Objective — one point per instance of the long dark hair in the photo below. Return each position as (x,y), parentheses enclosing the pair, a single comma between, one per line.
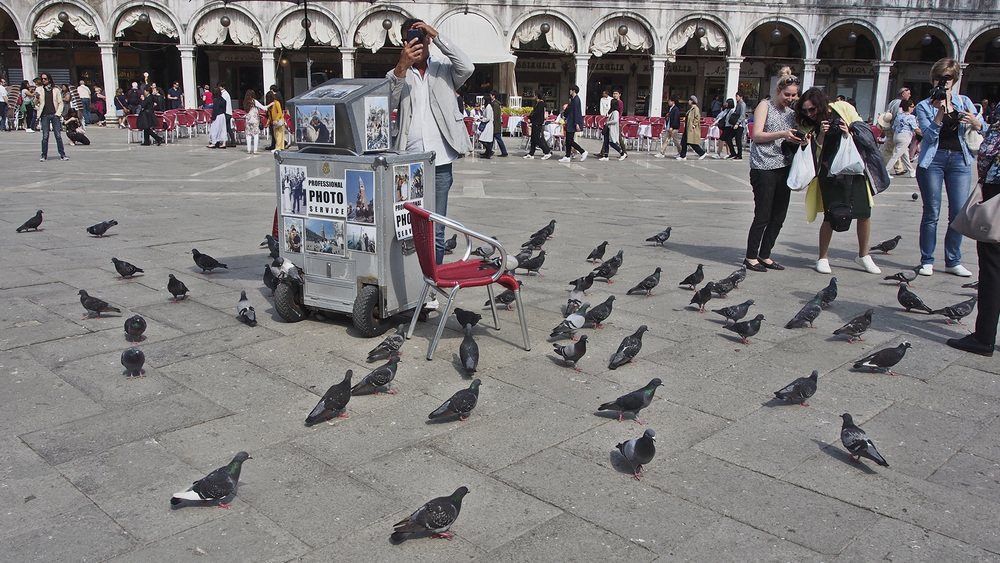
(819,99)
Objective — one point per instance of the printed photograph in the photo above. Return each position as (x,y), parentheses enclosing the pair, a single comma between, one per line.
(360,195)
(416,180)
(314,124)
(401,182)
(292,234)
(377,123)
(293,191)
(361,238)
(334,91)
(325,236)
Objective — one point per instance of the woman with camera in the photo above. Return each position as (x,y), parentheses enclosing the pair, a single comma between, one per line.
(944,118)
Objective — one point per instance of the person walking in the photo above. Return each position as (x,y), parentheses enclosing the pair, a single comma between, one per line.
(148,120)
(672,129)
(3,104)
(889,146)
(224,95)
(253,108)
(120,107)
(83,91)
(904,126)
(498,124)
(611,132)
(738,129)
(574,124)
(487,130)
(272,99)
(49,104)
(217,131)
(692,131)
(537,122)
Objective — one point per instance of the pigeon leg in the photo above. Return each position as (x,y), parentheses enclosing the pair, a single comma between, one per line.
(575,367)
(223,505)
(961,323)
(443,535)
(393,391)
(745,340)
(804,404)
(891,373)
(640,421)
(342,415)
(649,294)
(702,310)
(636,475)
(619,416)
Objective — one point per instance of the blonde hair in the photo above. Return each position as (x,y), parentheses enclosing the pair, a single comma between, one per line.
(946,66)
(786,78)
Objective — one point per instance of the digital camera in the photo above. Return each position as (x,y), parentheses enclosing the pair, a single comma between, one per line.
(939,92)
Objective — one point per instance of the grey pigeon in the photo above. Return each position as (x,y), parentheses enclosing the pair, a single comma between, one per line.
(485,250)
(887,245)
(799,390)
(694,279)
(735,312)
(857,326)
(702,296)
(607,270)
(572,352)
(828,294)
(910,300)
(547,230)
(390,344)
(435,517)
(134,327)
(738,276)
(176,288)
(93,305)
(468,352)
(34,222)
(460,404)
(857,442)
(125,270)
(598,253)
(571,324)
(583,283)
(101,228)
(883,359)
(634,401)
(646,286)
(333,403)
(505,298)
(511,264)
(379,377)
(639,451)
(905,276)
(535,243)
(450,244)
(245,311)
(807,314)
(958,311)
(628,349)
(600,313)
(467,317)
(746,329)
(574,301)
(283,269)
(270,281)
(206,262)
(533,264)
(972,285)
(133,360)
(215,486)
(660,237)
(272,245)
(724,286)
(618,259)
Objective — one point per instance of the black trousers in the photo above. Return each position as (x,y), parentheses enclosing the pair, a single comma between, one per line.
(684,147)
(989,282)
(538,141)
(147,133)
(770,204)
(731,134)
(229,131)
(572,144)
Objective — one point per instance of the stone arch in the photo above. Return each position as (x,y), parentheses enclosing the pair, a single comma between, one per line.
(686,26)
(367,31)
(523,18)
(251,25)
(127,10)
(605,37)
(952,40)
(292,16)
(975,35)
(43,10)
(863,24)
(18,26)
(807,45)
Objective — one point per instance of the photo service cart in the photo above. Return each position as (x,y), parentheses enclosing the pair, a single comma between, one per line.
(340,207)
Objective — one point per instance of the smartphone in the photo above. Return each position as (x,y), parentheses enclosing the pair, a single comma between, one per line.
(799,134)
(412,34)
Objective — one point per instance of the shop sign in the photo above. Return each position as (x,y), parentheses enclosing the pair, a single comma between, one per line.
(236,57)
(854,70)
(615,67)
(682,68)
(716,69)
(752,70)
(537,65)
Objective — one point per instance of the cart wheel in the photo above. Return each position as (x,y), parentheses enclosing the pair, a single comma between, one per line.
(366,313)
(288,303)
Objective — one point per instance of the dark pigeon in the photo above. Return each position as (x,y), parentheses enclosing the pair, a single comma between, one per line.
(799,390)
(134,327)
(617,259)
(828,294)
(958,311)
(571,324)
(972,285)
(505,298)
(696,278)
(133,360)
(634,401)
(583,283)
(333,403)
(217,485)
(660,237)
(468,352)
(125,270)
(883,359)
(435,517)
(910,300)
(379,378)
(807,314)
(639,451)
(574,301)
(272,246)
(600,313)
(572,352)
(598,253)
(702,296)
(93,305)
(905,276)
(646,286)
(33,223)
(738,276)
(460,404)
(887,245)
(724,286)
(533,264)
(735,312)
(746,329)
(101,228)
(176,288)
(245,311)
(270,281)
(607,270)
(857,442)
(535,243)
(467,317)
(628,349)
(857,326)
(206,262)
(450,244)
(390,344)
(547,230)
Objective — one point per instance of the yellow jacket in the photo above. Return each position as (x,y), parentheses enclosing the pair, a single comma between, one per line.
(814,199)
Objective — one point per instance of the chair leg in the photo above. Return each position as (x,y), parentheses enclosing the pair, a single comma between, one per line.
(493,307)
(416,312)
(444,319)
(524,322)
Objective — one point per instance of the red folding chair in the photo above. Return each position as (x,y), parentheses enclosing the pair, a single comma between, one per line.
(526,134)
(447,279)
(630,135)
(131,121)
(240,128)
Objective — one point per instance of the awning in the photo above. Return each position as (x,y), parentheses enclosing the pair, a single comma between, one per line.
(476,36)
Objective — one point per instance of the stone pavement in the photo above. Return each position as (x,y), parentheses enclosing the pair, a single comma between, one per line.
(90,459)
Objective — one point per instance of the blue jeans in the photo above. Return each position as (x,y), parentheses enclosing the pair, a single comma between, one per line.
(609,143)
(948,168)
(443,179)
(86,111)
(51,121)
(498,139)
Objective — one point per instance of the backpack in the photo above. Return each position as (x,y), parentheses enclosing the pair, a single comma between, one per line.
(133,97)
(733,118)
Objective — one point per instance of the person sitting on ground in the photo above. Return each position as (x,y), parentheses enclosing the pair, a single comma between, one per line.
(75,129)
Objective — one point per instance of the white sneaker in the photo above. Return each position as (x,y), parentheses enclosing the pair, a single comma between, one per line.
(623,156)
(658,155)
(959,270)
(926,269)
(529,156)
(823,266)
(717,156)
(564,159)
(867,263)
(432,305)
(702,157)
(546,157)
(678,157)
(29,130)
(584,156)
(604,159)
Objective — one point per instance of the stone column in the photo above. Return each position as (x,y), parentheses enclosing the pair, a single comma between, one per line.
(882,95)
(582,66)
(656,88)
(109,66)
(957,87)
(29,68)
(808,73)
(732,76)
(188,82)
(267,63)
(347,61)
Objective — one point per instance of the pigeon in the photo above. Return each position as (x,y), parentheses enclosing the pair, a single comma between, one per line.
(857,442)
(738,276)
(574,301)
(807,314)
(333,403)
(724,286)
(647,284)
(133,359)
(95,305)
(598,253)
(660,237)
(34,222)
(600,313)
(572,352)
(176,288)
(390,344)
(957,311)
(460,404)
(887,245)
(486,250)
(694,279)
(101,228)
(746,328)
(628,349)
(533,264)
(583,283)
(450,244)
(905,276)
(547,230)
(270,281)
(217,485)
(511,264)
(857,326)
(436,517)
(617,259)
(468,352)
(828,293)
(799,390)
(272,245)
(607,270)
(206,262)
(125,270)
(639,451)
(883,359)
(283,269)
(506,298)
(244,310)
(523,255)
(535,243)
(735,312)
(702,296)
(379,377)
(634,401)
(467,317)
(134,327)
(973,285)
(910,300)
(571,324)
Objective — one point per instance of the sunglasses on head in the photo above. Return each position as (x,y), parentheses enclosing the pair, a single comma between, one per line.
(790,80)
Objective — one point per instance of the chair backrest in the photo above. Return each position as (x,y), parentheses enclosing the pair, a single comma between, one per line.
(132,121)
(630,130)
(524,127)
(504,119)
(423,238)
(469,122)
(600,121)
(657,130)
(240,123)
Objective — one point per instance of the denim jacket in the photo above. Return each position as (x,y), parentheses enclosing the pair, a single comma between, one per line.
(925,113)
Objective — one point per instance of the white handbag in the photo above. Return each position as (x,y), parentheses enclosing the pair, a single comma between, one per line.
(847,161)
(803,169)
